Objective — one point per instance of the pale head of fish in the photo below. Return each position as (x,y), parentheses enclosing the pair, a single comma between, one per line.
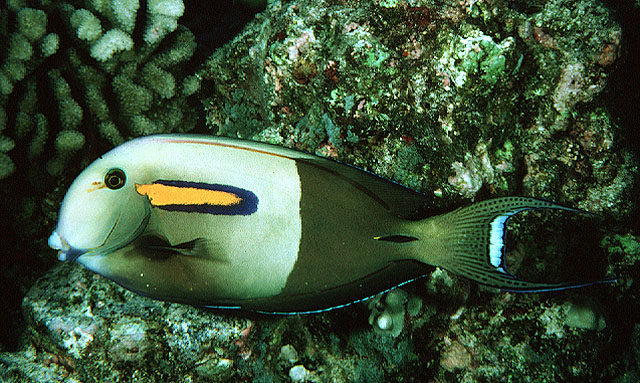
(101,212)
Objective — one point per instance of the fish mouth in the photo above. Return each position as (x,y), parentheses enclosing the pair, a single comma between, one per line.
(65,251)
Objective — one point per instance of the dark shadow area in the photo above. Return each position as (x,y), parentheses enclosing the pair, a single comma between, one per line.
(622,95)
(214,23)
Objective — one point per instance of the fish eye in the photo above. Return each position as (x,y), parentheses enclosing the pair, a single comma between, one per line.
(115,179)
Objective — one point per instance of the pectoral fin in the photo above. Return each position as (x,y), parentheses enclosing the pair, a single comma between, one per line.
(157,246)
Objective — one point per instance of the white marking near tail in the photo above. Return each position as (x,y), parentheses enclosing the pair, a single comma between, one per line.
(496,239)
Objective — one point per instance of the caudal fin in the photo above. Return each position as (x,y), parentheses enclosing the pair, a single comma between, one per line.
(474,239)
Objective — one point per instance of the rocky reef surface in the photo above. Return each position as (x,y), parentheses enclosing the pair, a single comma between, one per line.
(462,100)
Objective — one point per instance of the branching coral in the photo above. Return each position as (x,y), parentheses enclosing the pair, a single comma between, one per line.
(92,69)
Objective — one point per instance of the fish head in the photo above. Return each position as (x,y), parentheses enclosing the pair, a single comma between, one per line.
(101,212)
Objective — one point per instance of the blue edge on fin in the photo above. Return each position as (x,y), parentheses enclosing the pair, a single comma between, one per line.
(315,311)
(560,288)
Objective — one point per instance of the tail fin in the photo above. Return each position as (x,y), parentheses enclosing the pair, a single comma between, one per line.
(475,242)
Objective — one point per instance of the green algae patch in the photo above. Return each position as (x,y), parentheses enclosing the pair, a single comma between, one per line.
(477,58)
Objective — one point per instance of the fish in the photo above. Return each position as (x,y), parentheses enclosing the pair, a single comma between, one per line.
(233,224)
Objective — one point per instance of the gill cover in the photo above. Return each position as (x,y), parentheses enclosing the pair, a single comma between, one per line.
(101,211)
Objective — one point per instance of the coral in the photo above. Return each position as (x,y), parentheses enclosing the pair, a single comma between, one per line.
(108,83)
(87,25)
(466,100)
(387,316)
(288,353)
(84,324)
(7,166)
(112,42)
(585,316)
(68,142)
(300,374)
(130,340)
(471,175)
(455,356)
(138,332)
(20,59)
(163,18)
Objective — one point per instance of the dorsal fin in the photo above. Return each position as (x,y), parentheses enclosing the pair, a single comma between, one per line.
(398,199)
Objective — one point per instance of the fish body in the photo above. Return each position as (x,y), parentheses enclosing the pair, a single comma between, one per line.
(219,222)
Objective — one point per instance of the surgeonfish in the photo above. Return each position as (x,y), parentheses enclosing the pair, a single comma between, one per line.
(227,223)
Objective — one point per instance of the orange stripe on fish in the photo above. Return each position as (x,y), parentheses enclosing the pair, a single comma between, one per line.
(199,197)
(160,195)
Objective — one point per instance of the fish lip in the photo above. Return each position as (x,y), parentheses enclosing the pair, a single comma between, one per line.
(71,254)
(65,251)
(54,241)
